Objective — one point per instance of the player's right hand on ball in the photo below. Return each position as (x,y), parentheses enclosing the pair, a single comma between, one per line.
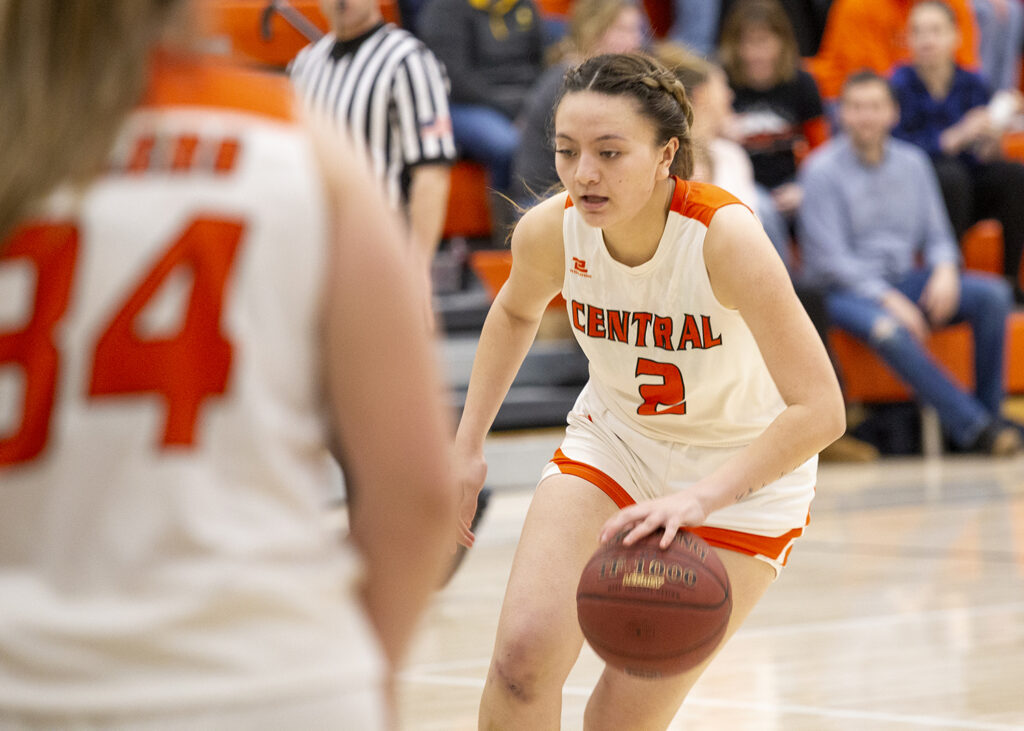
(470,472)
(671,513)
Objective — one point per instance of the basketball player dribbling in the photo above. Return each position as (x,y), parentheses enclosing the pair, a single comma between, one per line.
(709,394)
(197,305)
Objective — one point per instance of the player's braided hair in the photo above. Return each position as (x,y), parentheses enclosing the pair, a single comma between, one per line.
(660,95)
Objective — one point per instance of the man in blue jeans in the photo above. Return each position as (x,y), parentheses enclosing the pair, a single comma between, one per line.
(874,232)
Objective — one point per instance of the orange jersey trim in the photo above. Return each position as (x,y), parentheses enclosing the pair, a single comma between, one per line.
(693,200)
(200,81)
(701,201)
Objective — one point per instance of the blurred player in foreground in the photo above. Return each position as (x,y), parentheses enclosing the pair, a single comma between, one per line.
(197,304)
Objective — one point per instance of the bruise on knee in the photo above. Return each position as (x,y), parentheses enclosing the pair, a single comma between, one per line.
(884,329)
(513,681)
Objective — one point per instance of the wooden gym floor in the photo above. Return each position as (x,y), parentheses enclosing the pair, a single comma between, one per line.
(901,608)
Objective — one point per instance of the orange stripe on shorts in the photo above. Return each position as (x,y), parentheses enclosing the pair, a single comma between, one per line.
(593,475)
(773,547)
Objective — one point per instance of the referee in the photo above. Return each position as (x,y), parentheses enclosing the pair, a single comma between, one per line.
(391,94)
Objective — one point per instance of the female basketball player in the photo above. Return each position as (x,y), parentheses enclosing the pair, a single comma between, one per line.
(710,393)
(189,327)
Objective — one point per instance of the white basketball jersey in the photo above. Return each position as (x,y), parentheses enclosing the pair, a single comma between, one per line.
(163,451)
(665,356)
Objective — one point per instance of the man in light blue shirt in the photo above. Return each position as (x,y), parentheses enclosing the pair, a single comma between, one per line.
(875,234)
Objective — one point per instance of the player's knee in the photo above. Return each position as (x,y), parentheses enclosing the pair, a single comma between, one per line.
(514,679)
(886,330)
(998,299)
(517,667)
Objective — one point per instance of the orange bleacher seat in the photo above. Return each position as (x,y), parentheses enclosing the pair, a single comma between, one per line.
(558,8)
(982,247)
(1013,146)
(238,24)
(469,214)
(492,268)
(660,14)
(866,379)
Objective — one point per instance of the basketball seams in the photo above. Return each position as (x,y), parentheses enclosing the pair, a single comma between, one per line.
(639,600)
(713,639)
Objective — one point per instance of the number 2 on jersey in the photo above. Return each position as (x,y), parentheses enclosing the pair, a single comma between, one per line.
(667,397)
(183,368)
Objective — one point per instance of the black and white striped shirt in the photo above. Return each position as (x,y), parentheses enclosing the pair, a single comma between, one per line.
(389,91)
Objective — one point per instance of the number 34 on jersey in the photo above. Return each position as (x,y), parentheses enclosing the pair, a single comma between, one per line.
(182,368)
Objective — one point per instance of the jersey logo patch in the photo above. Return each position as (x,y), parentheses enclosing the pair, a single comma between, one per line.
(579,267)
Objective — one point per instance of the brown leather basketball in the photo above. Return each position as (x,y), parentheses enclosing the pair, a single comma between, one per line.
(654,612)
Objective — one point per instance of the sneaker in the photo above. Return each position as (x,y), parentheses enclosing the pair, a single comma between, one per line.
(999,440)
(1007,443)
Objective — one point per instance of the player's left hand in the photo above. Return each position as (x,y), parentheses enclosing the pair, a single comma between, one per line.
(941,296)
(670,513)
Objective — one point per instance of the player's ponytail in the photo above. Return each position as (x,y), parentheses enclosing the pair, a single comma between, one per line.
(72,69)
(660,95)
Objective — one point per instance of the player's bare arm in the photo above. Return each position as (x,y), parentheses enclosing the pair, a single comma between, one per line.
(747,275)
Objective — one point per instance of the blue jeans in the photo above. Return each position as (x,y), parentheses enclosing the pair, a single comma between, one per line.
(999,45)
(489,137)
(985,303)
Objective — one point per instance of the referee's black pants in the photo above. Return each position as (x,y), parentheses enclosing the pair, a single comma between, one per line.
(975,191)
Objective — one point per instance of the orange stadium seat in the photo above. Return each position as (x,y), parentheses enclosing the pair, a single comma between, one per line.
(558,8)
(469,214)
(866,379)
(1013,145)
(660,14)
(982,247)
(492,268)
(239,25)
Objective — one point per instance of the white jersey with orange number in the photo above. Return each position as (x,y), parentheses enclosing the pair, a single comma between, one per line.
(163,448)
(665,356)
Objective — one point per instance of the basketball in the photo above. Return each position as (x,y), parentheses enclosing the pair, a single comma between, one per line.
(653,612)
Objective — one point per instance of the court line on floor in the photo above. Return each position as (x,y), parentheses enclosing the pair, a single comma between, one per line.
(854,623)
(914,552)
(781,708)
(827,625)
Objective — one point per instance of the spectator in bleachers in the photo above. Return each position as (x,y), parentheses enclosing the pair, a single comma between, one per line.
(949,112)
(807,18)
(595,27)
(385,88)
(1000,30)
(870,34)
(779,115)
(724,163)
(695,24)
(709,92)
(494,53)
(409,12)
(871,211)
